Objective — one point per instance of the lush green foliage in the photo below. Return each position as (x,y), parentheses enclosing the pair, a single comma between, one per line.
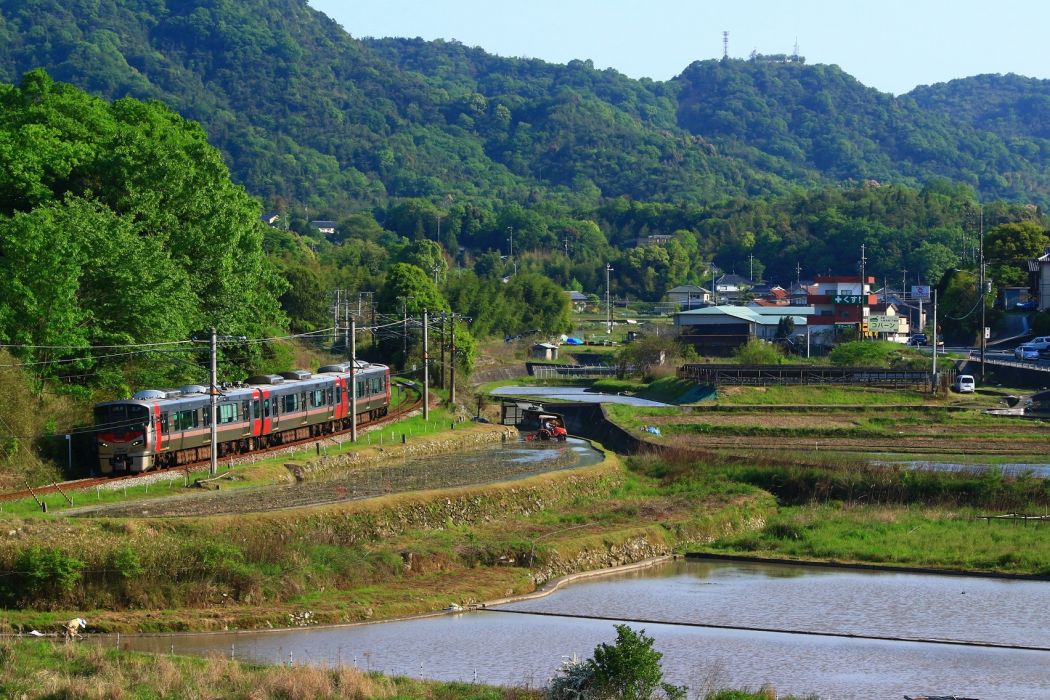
(304,112)
(870,353)
(119,225)
(758,352)
(628,669)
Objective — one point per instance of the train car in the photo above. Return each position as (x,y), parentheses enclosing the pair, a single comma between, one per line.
(168,428)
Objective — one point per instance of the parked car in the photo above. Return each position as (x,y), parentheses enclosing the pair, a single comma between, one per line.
(1040,343)
(1026,352)
(964,384)
(918,339)
(1026,305)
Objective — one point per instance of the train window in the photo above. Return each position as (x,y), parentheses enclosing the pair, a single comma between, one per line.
(360,389)
(291,403)
(338,395)
(246,409)
(184,420)
(375,385)
(207,416)
(266,408)
(317,398)
(163,423)
(330,394)
(227,413)
(256,409)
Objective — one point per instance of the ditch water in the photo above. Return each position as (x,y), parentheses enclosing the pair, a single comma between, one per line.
(804,630)
(1039,470)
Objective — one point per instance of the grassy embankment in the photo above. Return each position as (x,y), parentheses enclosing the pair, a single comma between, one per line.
(32,669)
(397,555)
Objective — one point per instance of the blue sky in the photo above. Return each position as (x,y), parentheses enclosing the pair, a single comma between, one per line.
(892,45)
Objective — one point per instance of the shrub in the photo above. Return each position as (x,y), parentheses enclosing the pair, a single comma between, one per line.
(758,352)
(49,574)
(629,669)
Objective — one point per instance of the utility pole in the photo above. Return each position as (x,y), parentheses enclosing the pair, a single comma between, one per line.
(608,301)
(335,319)
(213,402)
(935,339)
(426,367)
(751,267)
(404,331)
(863,295)
(798,273)
(346,322)
(442,350)
(353,380)
(982,292)
(452,362)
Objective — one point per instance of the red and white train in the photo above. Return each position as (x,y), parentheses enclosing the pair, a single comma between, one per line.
(158,429)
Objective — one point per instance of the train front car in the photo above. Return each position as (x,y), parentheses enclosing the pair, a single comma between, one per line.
(124,436)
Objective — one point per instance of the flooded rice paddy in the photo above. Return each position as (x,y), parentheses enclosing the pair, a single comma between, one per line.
(481,465)
(830,632)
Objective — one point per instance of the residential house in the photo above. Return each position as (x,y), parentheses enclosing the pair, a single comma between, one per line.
(731,288)
(577,299)
(325,227)
(654,239)
(689,296)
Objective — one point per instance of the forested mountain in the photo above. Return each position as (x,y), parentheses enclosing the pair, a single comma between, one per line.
(303,112)
(1010,106)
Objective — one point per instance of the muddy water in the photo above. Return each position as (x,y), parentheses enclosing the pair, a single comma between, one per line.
(479,465)
(525,647)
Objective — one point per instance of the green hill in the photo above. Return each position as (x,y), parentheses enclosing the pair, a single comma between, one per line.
(304,112)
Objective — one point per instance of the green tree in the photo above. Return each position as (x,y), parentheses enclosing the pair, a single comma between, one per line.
(410,288)
(648,352)
(535,302)
(628,669)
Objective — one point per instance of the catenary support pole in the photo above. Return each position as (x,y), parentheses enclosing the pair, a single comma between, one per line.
(426,366)
(353,380)
(452,362)
(213,395)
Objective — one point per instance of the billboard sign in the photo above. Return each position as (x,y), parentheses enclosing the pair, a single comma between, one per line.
(883,324)
(920,291)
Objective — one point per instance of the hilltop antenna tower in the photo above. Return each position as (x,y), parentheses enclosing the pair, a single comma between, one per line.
(725,45)
(794,55)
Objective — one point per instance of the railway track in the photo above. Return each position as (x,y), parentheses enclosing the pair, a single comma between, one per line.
(80,484)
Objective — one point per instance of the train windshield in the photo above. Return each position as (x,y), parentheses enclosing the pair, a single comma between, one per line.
(121,416)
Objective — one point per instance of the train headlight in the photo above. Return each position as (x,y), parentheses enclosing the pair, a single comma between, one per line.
(136,443)
(104,444)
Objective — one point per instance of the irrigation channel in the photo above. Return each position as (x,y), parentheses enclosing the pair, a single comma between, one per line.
(834,633)
(573,393)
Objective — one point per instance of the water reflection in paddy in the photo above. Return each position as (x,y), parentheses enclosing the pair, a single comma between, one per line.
(524,649)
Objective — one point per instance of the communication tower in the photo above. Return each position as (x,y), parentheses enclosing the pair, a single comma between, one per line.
(725,44)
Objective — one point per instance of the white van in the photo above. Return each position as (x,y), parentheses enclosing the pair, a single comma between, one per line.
(964,384)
